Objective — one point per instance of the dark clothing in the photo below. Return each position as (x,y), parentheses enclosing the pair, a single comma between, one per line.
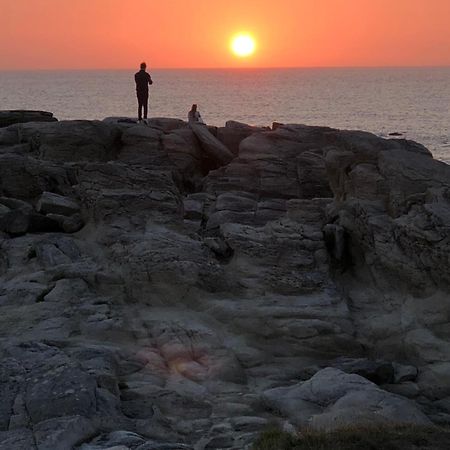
(142,105)
(143,79)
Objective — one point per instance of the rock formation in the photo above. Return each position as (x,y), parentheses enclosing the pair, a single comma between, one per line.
(168,288)
(23,116)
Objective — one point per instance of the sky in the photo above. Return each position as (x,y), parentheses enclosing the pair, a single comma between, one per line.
(106,34)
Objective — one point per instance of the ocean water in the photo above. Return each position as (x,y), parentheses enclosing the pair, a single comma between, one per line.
(411,101)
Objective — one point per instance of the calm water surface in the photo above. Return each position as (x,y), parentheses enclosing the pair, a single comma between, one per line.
(412,101)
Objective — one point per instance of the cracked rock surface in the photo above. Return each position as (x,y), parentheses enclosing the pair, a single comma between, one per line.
(164,287)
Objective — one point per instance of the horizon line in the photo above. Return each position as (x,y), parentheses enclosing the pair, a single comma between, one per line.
(229,68)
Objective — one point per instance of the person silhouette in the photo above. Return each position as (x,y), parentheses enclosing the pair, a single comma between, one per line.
(194,115)
(142,79)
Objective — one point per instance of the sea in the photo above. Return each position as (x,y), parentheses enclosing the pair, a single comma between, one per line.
(411,102)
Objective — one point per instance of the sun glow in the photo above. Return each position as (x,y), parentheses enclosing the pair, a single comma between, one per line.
(243,45)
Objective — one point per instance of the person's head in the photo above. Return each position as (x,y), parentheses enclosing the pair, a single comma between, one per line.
(194,107)
(143,66)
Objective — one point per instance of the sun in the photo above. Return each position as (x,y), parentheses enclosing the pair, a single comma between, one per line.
(243,45)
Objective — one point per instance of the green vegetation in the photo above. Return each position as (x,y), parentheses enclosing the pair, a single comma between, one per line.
(353,438)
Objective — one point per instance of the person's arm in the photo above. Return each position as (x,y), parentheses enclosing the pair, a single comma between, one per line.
(150,81)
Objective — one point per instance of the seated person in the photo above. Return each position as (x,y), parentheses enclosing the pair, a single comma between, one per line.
(194,116)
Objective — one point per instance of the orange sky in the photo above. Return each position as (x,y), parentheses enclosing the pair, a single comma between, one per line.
(48,34)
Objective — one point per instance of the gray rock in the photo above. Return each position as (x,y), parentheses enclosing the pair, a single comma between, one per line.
(125,439)
(15,222)
(166,124)
(184,151)
(121,121)
(248,423)
(211,146)
(433,380)
(77,140)
(3,210)
(65,392)
(14,203)
(404,373)
(20,439)
(233,133)
(406,389)
(43,224)
(189,301)
(119,440)
(57,204)
(70,224)
(25,178)
(333,399)
(379,372)
(193,208)
(63,433)
(22,116)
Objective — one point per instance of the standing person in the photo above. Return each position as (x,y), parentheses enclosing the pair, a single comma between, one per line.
(143,79)
(194,115)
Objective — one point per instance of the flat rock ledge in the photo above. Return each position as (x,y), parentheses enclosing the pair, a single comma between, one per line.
(23,116)
(165,286)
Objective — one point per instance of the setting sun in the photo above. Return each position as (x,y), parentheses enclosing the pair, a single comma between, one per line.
(243,45)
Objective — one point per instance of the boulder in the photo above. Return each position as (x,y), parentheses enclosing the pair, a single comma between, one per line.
(379,372)
(212,148)
(332,399)
(70,224)
(278,164)
(50,202)
(185,152)
(71,140)
(15,222)
(63,433)
(14,203)
(404,373)
(22,218)
(66,392)
(233,133)
(166,124)
(141,145)
(25,178)
(140,134)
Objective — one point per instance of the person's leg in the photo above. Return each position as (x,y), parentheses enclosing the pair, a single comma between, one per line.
(145,107)
(140,105)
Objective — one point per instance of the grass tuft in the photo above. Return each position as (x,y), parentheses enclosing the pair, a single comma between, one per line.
(357,438)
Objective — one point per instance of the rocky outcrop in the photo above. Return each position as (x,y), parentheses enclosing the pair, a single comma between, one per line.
(8,118)
(392,203)
(165,290)
(332,399)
